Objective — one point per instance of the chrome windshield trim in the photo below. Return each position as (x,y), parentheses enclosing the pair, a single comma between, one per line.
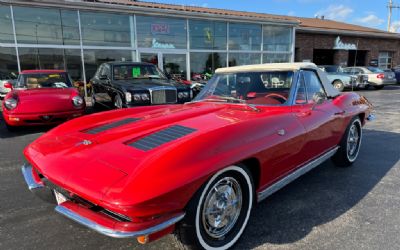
(296,174)
(115,233)
(28,176)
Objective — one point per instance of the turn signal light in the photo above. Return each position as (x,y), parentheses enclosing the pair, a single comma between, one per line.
(155,236)
(143,239)
(14,119)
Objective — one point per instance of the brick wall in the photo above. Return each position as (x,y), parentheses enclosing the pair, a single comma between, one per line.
(307,42)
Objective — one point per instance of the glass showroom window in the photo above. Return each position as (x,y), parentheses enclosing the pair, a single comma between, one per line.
(73,63)
(175,65)
(207,35)
(385,59)
(203,65)
(277,38)
(46,26)
(103,29)
(244,36)
(93,58)
(161,33)
(6,31)
(237,59)
(8,63)
(276,57)
(37,58)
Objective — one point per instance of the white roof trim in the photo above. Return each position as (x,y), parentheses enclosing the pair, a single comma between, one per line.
(267,66)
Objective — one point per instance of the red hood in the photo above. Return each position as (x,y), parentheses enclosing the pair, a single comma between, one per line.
(90,170)
(45,100)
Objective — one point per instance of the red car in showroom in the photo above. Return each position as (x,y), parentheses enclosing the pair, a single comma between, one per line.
(196,169)
(41,97)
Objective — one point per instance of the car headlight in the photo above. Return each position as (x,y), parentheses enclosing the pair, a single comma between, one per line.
(128,97)
(145,97)
(11,103)
(137,97)
(77,101)
(182,95)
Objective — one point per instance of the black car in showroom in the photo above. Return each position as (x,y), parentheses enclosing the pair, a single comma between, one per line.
(128,84)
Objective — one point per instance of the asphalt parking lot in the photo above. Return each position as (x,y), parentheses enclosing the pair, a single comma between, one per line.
(328,208)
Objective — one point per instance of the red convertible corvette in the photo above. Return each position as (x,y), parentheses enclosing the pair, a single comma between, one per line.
(41,97)
(197,169)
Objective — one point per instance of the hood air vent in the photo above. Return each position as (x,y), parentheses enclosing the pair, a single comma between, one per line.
(161,137)
(108,126)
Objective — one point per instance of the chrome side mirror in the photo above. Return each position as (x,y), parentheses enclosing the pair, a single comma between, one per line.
(318,98)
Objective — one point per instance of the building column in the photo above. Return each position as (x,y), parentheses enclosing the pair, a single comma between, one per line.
(341,57)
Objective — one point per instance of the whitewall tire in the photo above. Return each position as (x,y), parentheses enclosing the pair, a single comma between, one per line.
(219,212)
(350,144)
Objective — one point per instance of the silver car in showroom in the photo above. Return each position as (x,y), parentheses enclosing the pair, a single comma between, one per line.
(377,77)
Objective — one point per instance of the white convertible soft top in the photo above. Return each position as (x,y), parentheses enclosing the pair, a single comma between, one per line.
(330,90)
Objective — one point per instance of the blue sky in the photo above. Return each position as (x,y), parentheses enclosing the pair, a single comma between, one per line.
(371,13)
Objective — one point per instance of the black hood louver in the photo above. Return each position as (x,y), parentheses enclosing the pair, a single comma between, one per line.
(105,127)
(161,137)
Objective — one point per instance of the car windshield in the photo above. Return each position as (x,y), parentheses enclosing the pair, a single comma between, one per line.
(259,88)
(332,69)
(129,72)
(375,70)
(44,80)
(351,71)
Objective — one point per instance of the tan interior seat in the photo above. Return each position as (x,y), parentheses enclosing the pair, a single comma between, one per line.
(32,83)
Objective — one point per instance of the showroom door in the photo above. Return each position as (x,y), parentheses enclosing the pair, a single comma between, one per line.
(172,64)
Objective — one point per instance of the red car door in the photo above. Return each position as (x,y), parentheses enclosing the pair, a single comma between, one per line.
(323,122)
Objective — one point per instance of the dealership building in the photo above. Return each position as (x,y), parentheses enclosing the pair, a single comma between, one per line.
(78,35)
(327,42)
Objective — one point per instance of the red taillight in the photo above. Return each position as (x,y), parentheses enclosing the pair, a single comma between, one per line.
(380,76)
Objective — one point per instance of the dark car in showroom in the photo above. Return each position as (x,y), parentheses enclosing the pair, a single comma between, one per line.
(128,84)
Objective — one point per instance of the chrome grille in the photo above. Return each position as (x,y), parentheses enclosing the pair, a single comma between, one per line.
(163,95)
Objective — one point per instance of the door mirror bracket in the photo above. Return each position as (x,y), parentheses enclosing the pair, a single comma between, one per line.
(318,99)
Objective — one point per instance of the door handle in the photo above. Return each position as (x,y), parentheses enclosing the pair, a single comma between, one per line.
(304,113)
(340,112)
(281,132)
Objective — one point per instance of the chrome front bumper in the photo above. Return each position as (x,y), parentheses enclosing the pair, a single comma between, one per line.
(69,209)
(28,176)
(112,232)
(38,189)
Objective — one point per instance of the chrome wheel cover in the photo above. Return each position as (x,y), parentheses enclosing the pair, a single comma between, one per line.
(353,142)
(222,207)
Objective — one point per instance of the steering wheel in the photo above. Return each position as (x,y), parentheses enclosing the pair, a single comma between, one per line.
(277,96)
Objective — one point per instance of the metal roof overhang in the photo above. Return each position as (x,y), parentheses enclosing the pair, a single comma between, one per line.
(121,8)
(347,32)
